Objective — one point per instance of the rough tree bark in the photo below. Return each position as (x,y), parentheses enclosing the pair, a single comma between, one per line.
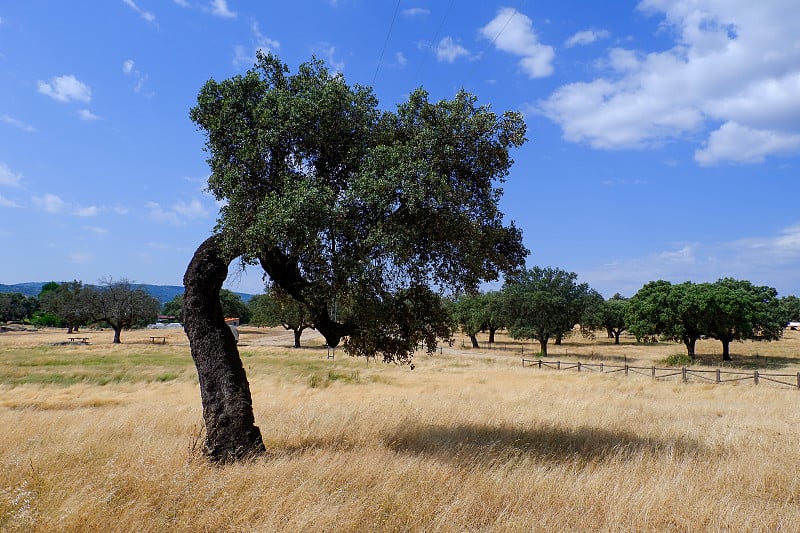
(231,433)
(285,273)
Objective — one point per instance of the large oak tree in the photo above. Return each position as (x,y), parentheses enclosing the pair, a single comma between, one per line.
(362,215)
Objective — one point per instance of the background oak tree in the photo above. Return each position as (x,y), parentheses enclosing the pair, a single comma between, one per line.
(120,305)
(543,303)
(277,308)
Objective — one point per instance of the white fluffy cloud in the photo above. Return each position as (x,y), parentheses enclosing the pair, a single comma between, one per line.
(53,204)
(178,214)
(129,69)
(512,32)
(5,202)
(448,50)
(9,178)
(763,260)
(66,88)
(586,37)
(87,115)
(742,144)
(732,77)
(17,123)
(220,9)
(50,203)
(192,209)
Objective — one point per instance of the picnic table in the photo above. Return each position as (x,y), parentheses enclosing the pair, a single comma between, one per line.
(81,340)
(162,340)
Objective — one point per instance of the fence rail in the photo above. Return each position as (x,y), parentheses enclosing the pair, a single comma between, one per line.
(716,376)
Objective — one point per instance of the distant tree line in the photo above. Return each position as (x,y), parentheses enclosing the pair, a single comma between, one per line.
(116,304)
(548,303)
(540,304)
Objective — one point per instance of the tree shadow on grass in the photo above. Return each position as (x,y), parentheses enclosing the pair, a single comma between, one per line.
(485,443)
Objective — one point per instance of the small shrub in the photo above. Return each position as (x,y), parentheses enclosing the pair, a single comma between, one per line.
(353,377)
(678,359)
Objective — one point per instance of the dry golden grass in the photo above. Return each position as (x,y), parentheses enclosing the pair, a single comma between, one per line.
(468,441)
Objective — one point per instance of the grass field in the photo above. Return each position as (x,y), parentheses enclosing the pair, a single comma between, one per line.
(105,438)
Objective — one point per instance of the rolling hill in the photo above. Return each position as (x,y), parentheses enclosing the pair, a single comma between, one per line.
(163,293)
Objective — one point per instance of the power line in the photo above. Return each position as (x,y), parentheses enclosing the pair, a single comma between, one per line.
(386,42)
(513,14)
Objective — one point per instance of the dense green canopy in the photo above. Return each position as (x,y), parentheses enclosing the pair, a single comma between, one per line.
(541,303)
(727,310)
(342,202)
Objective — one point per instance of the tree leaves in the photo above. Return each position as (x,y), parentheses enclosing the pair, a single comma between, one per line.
(341,201)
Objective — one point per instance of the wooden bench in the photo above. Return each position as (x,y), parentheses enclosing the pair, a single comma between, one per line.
(162,340)
(81,340)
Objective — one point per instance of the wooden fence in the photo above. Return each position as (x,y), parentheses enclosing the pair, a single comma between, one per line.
(686,374)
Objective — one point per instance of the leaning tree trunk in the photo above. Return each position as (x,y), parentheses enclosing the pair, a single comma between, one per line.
(231,433)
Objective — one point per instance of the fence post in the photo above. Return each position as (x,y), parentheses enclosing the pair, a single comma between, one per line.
(540,363)
(798,380)
(626,369)
(558,365)
(654,371)
(579,366)
(683,374)
(755,377)
(601,371)
(718,376)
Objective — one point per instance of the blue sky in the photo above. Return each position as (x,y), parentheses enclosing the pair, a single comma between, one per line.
(664,135)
